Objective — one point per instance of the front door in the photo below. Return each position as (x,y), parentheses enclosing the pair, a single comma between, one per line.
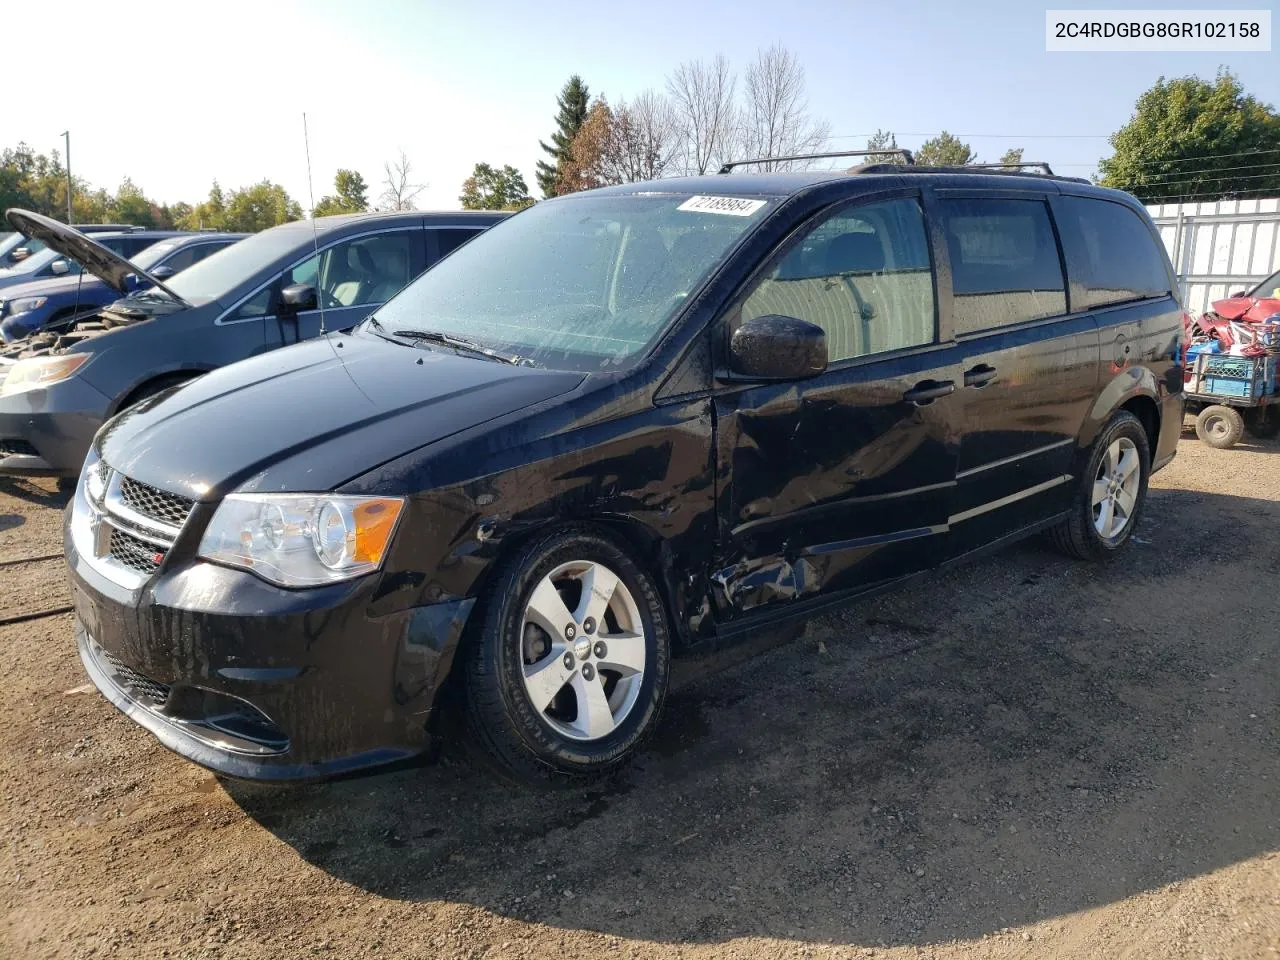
(841,482)
(1030,367)
(352,278)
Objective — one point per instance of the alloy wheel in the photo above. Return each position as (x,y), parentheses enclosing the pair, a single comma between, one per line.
(583,650)
(1115,488)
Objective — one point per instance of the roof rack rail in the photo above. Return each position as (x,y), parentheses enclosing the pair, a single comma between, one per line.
(884,151)
(1044,167)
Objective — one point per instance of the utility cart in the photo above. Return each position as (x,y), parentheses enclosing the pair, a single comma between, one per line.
(1231,394)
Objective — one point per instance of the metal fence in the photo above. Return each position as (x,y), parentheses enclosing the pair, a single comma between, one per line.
(1220,247)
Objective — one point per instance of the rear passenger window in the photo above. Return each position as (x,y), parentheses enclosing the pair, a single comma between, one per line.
(1121,259)
(1005,267)
(863,275)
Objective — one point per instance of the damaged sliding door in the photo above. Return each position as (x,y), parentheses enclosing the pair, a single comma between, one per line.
(844,481)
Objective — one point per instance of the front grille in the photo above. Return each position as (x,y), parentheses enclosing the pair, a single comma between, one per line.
(17,448)
(140,687)
(166,508)
(133,552)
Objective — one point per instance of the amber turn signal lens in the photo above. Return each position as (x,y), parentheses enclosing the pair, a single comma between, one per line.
(375,521)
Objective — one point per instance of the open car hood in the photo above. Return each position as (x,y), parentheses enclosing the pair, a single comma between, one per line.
(109,267)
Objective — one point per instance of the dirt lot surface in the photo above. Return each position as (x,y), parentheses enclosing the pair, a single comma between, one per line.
(1027,757)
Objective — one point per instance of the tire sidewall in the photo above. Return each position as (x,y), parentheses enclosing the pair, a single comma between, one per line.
(1124,425)
(504,646)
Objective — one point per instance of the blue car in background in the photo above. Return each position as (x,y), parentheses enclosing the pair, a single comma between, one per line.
(14,247)
(29,307)
(45,264)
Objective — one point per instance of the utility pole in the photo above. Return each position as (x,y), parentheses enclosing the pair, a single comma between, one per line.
(67,136)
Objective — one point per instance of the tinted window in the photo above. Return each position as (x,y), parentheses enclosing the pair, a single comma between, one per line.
(450,239)
(1004,262)
(863,275)
(1121,258)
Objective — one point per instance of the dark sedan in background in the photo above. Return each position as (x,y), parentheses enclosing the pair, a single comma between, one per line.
(278,287)
(29,307)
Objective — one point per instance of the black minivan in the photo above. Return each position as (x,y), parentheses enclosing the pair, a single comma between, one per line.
(623,423)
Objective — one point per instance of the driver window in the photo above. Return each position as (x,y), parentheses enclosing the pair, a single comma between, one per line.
(862,274)
(363,271)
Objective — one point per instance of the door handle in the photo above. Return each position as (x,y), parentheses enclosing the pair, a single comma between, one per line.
(980,376)
(927,391)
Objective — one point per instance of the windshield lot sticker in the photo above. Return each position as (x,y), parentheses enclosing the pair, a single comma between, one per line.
(732,206)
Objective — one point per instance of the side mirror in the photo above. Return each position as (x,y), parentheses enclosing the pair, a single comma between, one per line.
(163,273)
(774,347)
(296,298)
(18,254)
(59,268)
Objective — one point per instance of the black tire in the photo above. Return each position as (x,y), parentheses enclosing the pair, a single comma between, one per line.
(1220,426)
(1263,422)
(500,715)
(1076,535)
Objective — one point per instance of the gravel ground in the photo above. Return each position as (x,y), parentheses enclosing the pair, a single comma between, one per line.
(1025,757)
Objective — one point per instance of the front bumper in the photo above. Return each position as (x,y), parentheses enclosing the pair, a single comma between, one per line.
(48,432)
(257,682)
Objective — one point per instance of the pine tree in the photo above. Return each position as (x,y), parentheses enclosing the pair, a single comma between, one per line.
(573,102)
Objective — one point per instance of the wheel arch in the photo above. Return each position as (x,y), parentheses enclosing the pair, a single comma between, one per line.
(153,381)
(1135,390)
(647,548)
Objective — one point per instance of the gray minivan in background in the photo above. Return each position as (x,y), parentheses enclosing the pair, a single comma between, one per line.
(273,289)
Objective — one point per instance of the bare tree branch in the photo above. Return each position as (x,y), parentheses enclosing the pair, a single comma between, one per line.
(775,117)
(705,116)
(399,193)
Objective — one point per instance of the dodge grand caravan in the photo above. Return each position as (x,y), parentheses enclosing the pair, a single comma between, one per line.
(620,424)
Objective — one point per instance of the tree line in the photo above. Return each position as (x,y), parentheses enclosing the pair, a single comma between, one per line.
(1188,139)
(38,182)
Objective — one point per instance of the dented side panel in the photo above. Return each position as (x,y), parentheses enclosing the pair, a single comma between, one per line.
(835,483)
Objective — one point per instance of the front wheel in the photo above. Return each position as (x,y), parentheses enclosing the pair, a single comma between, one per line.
(567,667)
(1220,426)
(1110,494)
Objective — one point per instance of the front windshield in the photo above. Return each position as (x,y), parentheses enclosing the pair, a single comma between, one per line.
(12,241)
(221,273)
(584,283)
(149,257)
(38,261)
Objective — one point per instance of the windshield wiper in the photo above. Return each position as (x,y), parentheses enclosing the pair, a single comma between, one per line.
(462,344)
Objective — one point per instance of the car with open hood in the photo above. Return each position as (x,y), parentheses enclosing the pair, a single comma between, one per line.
(277,287)
(624,422)
(30,307)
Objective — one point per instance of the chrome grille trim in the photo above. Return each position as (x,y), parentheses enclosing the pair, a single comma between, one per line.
(117,538)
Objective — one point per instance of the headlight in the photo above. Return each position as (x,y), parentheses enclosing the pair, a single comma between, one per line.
(302,540)
(31,303)
(41,372)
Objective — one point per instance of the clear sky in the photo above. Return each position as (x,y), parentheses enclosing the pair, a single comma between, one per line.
(176,93)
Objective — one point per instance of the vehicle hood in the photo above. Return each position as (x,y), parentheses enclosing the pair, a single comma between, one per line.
(107,266)
(313,416)
(52,288)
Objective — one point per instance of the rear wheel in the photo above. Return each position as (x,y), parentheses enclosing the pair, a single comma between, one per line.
(1220,426)
(1111,493)
(567,667)
(1263,422)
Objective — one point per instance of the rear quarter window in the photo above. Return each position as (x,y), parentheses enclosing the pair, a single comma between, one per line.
(1119,258)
